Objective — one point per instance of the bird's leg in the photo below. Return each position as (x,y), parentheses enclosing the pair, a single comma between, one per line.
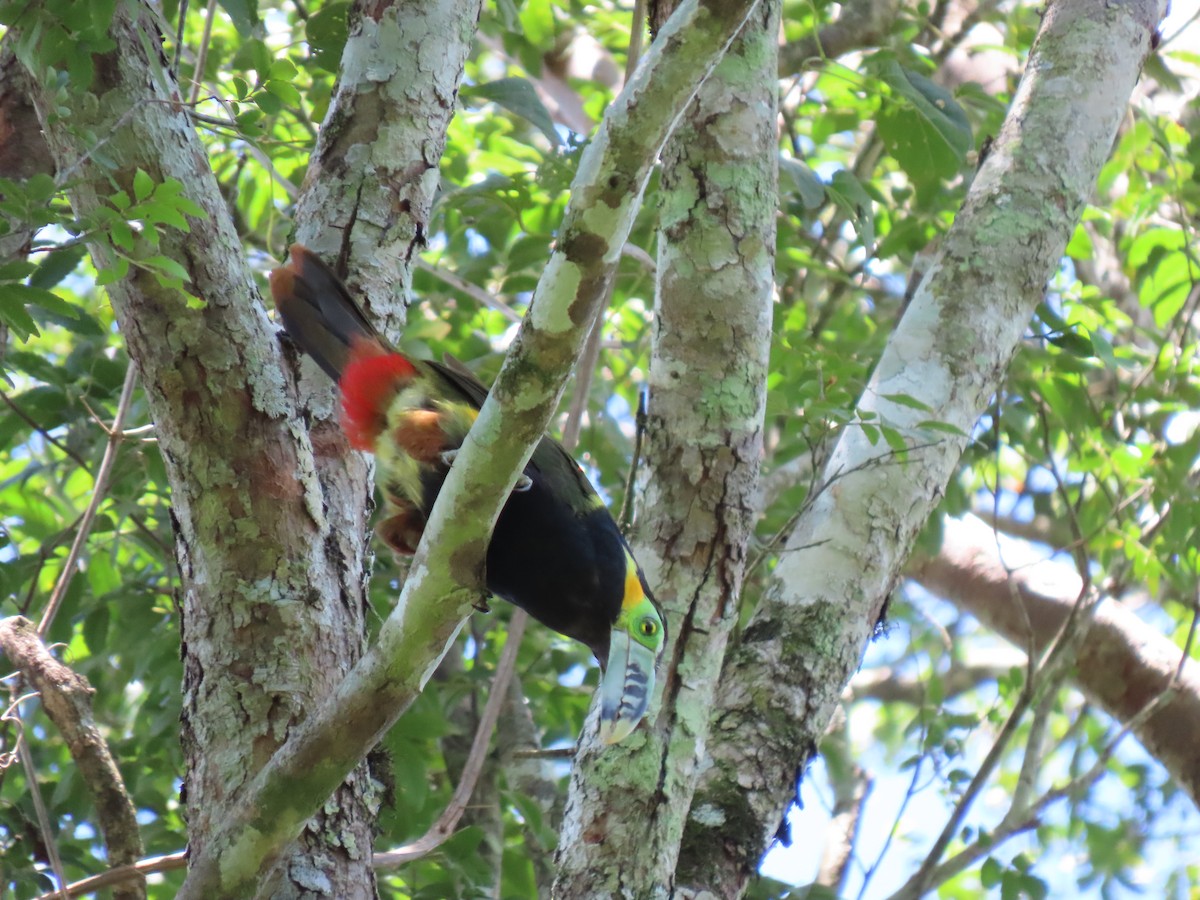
(524,482)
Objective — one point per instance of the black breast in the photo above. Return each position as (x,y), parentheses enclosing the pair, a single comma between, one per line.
(565,569)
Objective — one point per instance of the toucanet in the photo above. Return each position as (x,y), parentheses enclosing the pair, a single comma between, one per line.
(555,552)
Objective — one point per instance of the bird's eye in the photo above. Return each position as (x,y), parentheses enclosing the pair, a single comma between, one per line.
(649,627)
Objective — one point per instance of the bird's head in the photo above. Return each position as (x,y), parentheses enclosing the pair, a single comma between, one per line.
(634,647)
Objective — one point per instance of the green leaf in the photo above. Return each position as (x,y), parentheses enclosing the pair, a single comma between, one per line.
(327,33)
(168,266)
(57,265)
(906,400)
(808,185)
(928,132)
(944,427)
(1074,343)
(990,872)
(283,69)
(12,294)
(537,23)
(119,270)
(285,91)
(267,102)
(243,14)
(518,97)
(143,185)
(16,317)
(847,192)
(250,122)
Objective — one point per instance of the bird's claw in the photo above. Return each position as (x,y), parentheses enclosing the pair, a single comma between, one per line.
(524,482)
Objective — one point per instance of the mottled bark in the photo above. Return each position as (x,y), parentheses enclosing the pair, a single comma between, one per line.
(1122,663)
(626,811)
(445,578)
(373,174)
(258,571)
(949,352)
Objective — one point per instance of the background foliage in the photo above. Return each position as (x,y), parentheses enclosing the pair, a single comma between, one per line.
(1095,433)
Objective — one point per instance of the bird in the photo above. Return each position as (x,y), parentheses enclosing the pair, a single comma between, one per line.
(555,551)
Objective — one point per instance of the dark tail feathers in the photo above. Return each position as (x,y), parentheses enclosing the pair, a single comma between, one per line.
(317,311)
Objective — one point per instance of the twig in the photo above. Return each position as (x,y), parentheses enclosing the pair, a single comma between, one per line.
(585,370)
(637,32)
(625,519)
(441,830)
(585,367)
(913,787)
(1048,670)
(43,817)
(118,874)
(29,420)
(115,436)
(202,61)
(552,753)
(1012,827)
(475,293)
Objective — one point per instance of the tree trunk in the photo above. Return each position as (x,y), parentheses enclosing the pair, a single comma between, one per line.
(259,571)
(713,305)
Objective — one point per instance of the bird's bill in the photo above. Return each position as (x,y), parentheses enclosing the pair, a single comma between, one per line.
(627,686)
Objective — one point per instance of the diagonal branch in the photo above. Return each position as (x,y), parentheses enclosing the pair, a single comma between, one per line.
(1025,610)
(67,699)
(446,572)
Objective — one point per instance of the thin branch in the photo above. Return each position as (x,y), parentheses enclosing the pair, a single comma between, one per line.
(1012,826)
(585,371)
(115,436)
(205,39)
(883,684)
(625,520)
(476,293)
(119,874)
(67,700)
(1048,672)
(29,420)
(443,828)
(551,753)
(43,817)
